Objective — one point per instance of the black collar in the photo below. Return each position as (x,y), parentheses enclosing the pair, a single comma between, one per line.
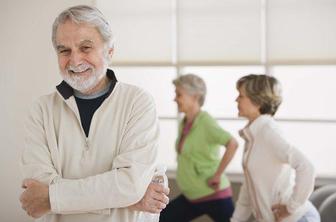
(67,91)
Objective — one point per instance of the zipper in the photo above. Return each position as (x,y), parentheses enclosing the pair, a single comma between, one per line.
(73,106)
(250,185)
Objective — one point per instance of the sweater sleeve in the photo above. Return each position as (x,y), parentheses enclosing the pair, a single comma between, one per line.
(131,172)
(304,170)
(243,207)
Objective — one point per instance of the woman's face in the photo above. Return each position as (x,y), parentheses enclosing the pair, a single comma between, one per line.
(185,102)
(246,108)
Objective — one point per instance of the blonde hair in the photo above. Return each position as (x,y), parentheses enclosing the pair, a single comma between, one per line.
(262,90)
(193,84)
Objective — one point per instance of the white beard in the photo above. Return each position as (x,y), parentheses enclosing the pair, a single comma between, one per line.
(83,82)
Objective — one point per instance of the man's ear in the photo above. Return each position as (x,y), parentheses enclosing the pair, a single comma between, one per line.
(110,53)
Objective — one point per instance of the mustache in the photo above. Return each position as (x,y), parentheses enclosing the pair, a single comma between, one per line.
(80,68)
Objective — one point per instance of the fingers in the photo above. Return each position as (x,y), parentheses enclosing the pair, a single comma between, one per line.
(154,200)
(155,210)
(280,212)
(160,193)
(276,216)
(157,207)
(159,188)
(22,197)
(160,206)
(27,183)
(165,200)
(24,204)
(276,207)
(160,197)
(213,185)
(166,190)
(23,185)
(276,210)
(212,182)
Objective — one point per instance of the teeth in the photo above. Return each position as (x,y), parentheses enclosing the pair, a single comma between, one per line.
(78,69)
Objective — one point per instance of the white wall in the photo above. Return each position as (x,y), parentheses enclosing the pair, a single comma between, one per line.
(28,69)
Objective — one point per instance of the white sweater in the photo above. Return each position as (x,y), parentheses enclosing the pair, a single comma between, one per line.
(270,165)
(93,178)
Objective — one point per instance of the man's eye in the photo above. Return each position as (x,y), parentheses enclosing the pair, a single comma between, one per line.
(86,48)
(64,51)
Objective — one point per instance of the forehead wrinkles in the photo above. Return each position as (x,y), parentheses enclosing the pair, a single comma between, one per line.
(76,34)
(83,42)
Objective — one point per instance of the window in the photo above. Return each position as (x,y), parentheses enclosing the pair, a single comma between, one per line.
(157,81)
(142,30)
(221,86)
(301,31)
(222,40)
(308,91)
(216,31)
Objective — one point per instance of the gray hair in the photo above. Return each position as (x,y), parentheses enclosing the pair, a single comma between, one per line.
(85,14)
(193,84)
(262,90)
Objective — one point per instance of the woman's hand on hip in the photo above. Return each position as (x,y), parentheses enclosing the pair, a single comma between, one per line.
(280,212)
(214,182)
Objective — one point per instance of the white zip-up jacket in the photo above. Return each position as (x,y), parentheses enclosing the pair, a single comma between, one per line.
(270,164)
(92,178)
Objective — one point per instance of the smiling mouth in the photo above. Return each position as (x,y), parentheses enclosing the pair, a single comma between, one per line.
(78,72)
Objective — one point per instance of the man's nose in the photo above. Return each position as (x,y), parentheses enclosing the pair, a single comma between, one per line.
(76,58)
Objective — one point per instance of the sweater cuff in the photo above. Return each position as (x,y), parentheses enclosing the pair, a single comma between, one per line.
(53,198)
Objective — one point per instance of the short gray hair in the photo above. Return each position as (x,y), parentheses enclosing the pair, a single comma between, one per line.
(193,84)
(85,14)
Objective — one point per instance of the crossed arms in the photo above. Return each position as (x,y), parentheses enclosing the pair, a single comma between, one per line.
(126,185)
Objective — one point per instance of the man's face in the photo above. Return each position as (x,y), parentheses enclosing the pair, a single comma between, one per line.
(82,55)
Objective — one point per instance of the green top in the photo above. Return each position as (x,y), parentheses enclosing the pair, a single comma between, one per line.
(199,158)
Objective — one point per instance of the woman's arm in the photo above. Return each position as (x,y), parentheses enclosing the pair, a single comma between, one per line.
(231,148)
(304,169)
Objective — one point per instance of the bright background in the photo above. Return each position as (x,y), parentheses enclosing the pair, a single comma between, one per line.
(156,41)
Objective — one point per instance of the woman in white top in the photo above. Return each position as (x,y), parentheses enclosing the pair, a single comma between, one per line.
(278,177)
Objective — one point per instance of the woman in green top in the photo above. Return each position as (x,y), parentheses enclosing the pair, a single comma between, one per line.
(205,188)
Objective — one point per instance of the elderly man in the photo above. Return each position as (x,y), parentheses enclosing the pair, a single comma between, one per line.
(90,146)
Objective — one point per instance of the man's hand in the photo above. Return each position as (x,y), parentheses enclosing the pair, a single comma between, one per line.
(280,212)
(35,199)
(155,199)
